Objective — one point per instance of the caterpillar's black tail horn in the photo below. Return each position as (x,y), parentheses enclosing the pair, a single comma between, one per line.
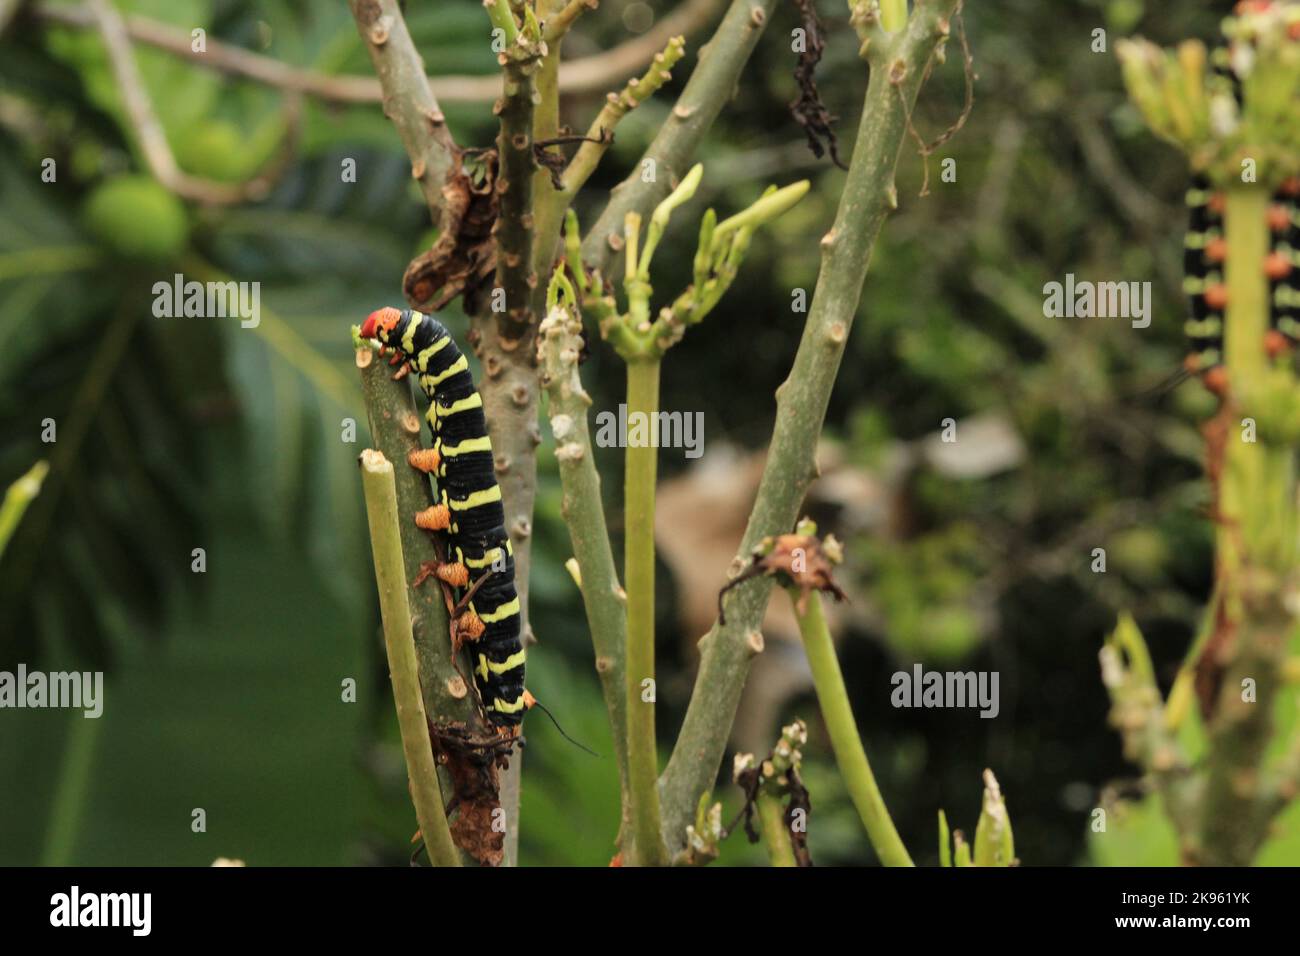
(538,704)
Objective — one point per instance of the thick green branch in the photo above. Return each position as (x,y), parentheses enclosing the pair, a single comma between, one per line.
(666,160)
(639,566)
(898,69)
(845,740)
(377,482)
(395,431)
(1256,554)
(559,346)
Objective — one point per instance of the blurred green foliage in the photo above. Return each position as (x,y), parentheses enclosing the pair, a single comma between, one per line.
(224,688)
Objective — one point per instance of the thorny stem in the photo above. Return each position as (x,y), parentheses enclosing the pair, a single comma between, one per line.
(897,70)
(639,564)
(386,545)
(843,730)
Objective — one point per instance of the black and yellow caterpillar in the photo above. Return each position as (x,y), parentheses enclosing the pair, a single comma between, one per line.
(480,559)
(1206,252)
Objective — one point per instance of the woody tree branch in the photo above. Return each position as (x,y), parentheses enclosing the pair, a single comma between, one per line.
(148,129)
(520,61)
(395,431)
(407,99)
(590,74)
(899,64)
(503,339)
(509,383)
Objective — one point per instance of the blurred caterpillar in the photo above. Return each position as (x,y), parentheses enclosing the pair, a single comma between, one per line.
(1206,251)
(481,563)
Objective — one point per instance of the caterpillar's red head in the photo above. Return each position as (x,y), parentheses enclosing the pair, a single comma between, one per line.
(380,320)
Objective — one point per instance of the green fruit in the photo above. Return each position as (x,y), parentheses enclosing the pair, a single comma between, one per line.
(216,150)
(138,219)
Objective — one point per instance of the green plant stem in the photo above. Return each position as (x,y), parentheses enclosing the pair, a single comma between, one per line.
(639,564)
(379,487)
(709,89)
(583,510)
(87,402)
(1256,542)
(897,71)
(776,836)
(893,14)
(558,17)
(498,12)
(18,496)
(395,431)
(71,790)
(551,202)
(843,730)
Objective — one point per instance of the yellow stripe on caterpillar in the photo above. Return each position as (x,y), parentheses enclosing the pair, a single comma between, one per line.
(484,497)
(505,707)
(510,663)
(482,443)
(408,337)
(489,558)
(465,404)
(422,360)
(509,609)
(460,365)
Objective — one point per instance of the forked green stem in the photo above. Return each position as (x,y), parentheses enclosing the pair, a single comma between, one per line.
(639,571)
